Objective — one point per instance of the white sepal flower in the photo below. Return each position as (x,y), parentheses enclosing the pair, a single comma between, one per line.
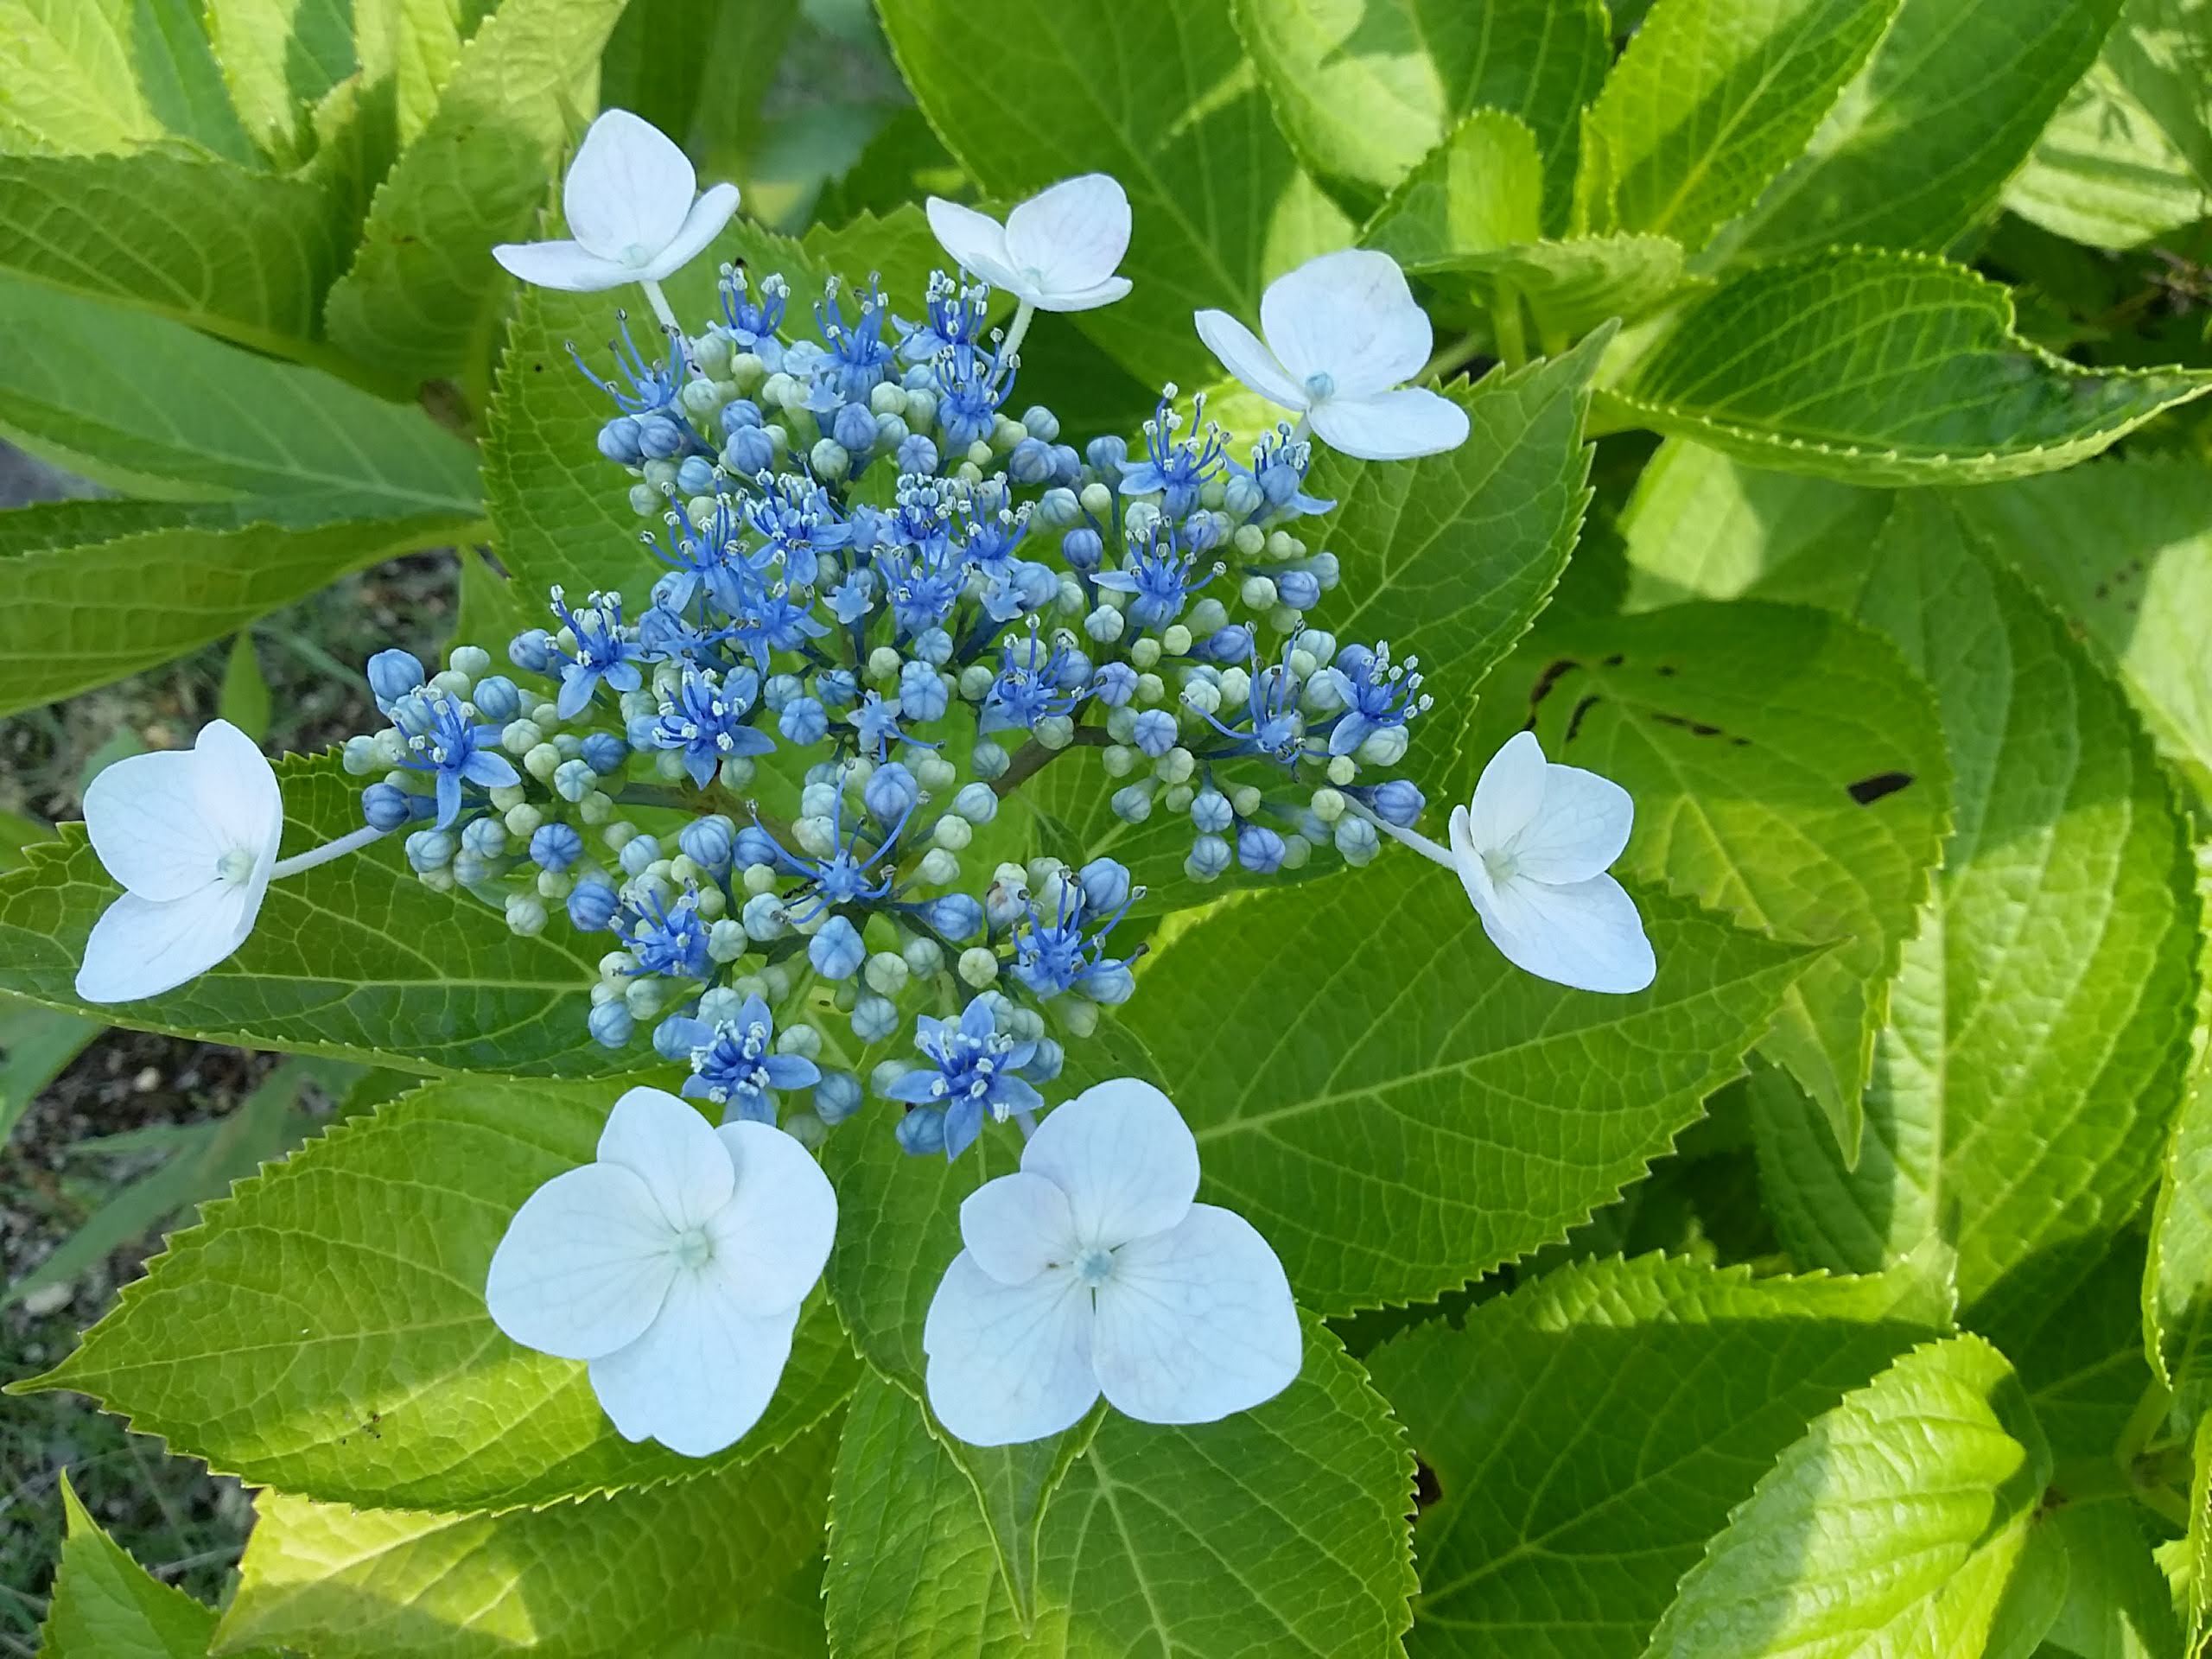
(192,835)
(1057,251)
(1092,1271)
(676,1263)
(629,202)
(1532,849)
(1342,335)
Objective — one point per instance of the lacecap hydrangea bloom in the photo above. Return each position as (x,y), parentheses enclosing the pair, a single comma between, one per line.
(878,595)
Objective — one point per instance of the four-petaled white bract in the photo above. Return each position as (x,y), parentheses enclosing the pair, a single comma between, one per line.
(1057,251)
(1342,335)
(1532,849)
(676,1264)
(192,835)
(628,200)
(1092,1271)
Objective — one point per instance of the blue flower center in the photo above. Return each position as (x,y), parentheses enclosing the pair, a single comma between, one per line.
(1093,1266)
(1320,384)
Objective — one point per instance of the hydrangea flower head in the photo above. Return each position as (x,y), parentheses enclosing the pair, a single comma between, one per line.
(1343,335)
(1092,1271)
(192,835)
(676,1263)
(633,210)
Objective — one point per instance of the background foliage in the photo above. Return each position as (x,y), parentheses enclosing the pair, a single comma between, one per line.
(1838,482)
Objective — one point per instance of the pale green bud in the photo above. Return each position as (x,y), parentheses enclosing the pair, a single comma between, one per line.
(978,967)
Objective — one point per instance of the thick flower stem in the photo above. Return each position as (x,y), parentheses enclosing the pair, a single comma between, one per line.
(1018,328)
(662,310)
(323,854)
(1033,757)
(1412,838)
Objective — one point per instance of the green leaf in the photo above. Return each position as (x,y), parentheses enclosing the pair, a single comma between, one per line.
(422,297)
(1954,1517)
(1359,1036)
(1593,1427)
(2081,1356)
(355,959)
(2178,1276)
(2039,1027)
(395,1387)
(1879,368)
(2123,549)
(1788,770)
(145,404)
(2032,1597)
(245,698)
(76,617)
(2194,1599)
(279,57)
(1363,92)
(1921,144)
(1279,1529)
(1479,191)
(2128,157)
(414,46)
(1711,101)
(36,1045)
(107,1606)
(87,77)
(1162,98)
(1449,558)
(1571,287)
(724,1562)
(244,254)
(2117,1604)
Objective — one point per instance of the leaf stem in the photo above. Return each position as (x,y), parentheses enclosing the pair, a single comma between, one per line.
(1505,319)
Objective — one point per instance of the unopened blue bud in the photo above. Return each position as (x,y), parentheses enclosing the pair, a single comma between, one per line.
(838,1096)
(672,1039)
(556,846)
(875,1017)
(1230,644)
(617,442)
(854,427)
(1398,802)
(755,845)
(955,916)
(778,691)
(1211,811)
(1106,454)
(1210,856)
(749,451)
(1355,838)
(574,779)
(1083,548)
(496,698)
(1074,671)
(1132,803)
(384,807)
(532,651)
(592,904)
(921,1132)
(1116,684)
(658,438)
(738,415)
(696,476)
(1045,1063)
(430,849)
(837,952)
(803,720)
(1201,531)
(392,674)
(1067,465)
(1040,423)
(1030,463)
(988,760)
(485,837)
(604,752)
(922,695)
(611,1022)
(1299,589)
(708,843)
(1057,508)
(1110,982)
(835,687)
(1155,732)
(890,792)
(637,853)
(1243,495)
(1037,584)
(918,455)
(1259,849)
(640,732)
(1105,884)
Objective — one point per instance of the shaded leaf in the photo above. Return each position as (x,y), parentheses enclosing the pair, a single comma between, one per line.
(107,1606)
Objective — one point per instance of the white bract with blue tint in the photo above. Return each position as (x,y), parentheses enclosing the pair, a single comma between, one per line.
(1092,1271)
(1343,335)
(1532,849)
(192,835)
(676,1264)
(633,210)
(1057,251)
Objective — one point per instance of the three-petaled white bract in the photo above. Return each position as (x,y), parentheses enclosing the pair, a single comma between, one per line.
(676,1263)
(633,211)
(1092,1271)
(1532,849)
(192,835)
(1343,333)
(1057,251)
